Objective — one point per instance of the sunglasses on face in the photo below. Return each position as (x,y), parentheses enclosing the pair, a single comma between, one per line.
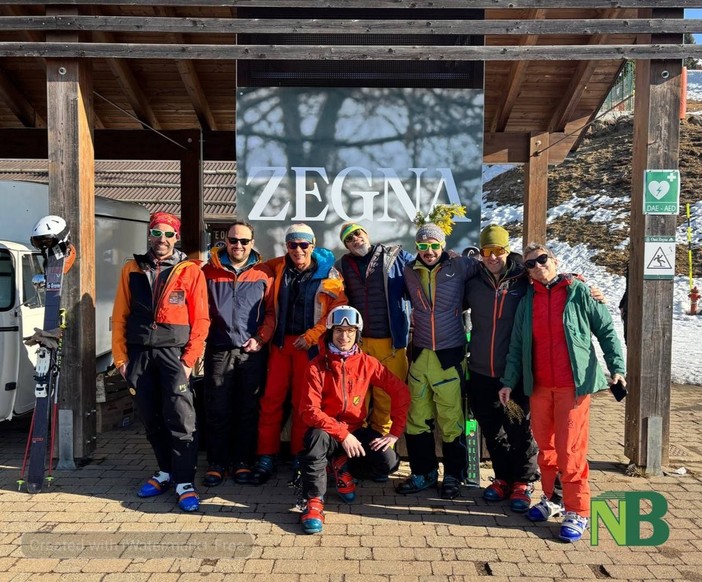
(351,236)
(531,263)
(303,245)
(426,246)
(497,251)
(242,241)
(156,233)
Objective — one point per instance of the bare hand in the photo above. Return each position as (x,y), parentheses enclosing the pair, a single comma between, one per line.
(353,447)
(252,345)
(301,343)
(383,443)
(123,370)
(188,370)
(618,378)
(504,395)
(597,295)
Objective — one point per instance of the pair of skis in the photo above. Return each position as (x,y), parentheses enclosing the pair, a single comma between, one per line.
(46,372)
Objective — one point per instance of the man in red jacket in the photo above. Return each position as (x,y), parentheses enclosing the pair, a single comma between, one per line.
(334,408)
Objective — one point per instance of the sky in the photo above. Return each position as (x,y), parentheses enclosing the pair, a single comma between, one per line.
(695,13)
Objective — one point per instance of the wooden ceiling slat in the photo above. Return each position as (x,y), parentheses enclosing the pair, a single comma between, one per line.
(369,4)
(349,52)
(201,26)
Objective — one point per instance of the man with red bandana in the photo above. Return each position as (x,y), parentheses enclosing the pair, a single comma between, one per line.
(159,326)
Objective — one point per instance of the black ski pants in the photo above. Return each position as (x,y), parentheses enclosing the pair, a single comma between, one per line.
(234,382)
(510,443)
(164,401)
(321,447)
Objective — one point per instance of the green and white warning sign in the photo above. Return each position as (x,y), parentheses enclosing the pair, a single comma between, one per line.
(659,257)
(661,192)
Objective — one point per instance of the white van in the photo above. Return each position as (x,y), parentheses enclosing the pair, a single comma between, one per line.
(120,231)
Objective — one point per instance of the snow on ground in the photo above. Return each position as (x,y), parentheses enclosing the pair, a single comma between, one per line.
(687,330)
(694,85)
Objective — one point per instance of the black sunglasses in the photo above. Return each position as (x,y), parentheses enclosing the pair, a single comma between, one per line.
(156,233)
(356,232)
(303,245)
(242,241)
(531,263)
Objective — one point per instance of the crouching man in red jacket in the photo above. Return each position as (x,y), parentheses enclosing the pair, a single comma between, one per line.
(334,408)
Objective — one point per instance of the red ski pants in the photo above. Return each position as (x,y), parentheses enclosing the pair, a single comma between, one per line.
(286,370)
(561,426)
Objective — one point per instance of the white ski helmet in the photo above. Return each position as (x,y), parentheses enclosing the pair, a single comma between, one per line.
(49,231)
(345,315)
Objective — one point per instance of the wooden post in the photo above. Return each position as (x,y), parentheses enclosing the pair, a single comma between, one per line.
(650,317)
(536,190)
(192,206)
(72,195)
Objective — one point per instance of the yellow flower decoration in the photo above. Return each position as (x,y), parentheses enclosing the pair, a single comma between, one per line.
(442,216)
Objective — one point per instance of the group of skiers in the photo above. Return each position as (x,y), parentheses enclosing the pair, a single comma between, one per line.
(329,341)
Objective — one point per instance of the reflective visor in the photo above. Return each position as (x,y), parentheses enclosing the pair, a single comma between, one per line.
(345,316)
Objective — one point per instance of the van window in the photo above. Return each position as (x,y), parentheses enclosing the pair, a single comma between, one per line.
(31,265)
(7,281)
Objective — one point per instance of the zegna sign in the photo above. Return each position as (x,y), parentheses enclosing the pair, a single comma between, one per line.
(325,156)
(354,183)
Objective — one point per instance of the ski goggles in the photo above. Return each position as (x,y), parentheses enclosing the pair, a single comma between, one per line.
(531,263)
(242,241)
(497,251)
(157,233)
(293,245)
(426,246)
(345,316)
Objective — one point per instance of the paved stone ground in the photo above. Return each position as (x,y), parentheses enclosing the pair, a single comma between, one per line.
(91,526)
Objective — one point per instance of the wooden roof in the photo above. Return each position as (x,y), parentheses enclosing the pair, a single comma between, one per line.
(544,92)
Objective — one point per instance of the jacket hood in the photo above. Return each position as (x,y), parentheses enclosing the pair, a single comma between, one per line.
(325,261)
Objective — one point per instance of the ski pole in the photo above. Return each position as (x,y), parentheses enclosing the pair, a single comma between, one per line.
(689,245)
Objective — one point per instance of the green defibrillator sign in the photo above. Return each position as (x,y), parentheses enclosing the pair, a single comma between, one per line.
(661,192)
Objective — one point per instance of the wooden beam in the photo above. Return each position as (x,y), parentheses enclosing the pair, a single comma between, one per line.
(535,190)
(191,81)
(517,73)
(192,212)
(578,82)
(165,23)
(364,4)
(22,109)
(348,52)
(123,144)
(130,85)
(72,195)
(650,303)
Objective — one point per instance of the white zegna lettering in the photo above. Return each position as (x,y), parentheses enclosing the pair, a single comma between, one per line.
(349,185)
(301,193)
(337,191)
(269,190)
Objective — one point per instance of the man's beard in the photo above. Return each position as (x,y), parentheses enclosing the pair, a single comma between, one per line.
(361,251)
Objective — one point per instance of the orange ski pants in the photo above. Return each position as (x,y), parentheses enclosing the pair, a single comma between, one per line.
(560,422)
(286,371)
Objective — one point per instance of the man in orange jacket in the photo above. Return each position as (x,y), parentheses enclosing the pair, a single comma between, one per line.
(159,324)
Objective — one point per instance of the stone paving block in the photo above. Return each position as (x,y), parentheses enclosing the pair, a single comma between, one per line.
(294,567)
(259,566)
(385,567)
(547,570)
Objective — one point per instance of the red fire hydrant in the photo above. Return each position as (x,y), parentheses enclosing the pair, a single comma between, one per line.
(694,298)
